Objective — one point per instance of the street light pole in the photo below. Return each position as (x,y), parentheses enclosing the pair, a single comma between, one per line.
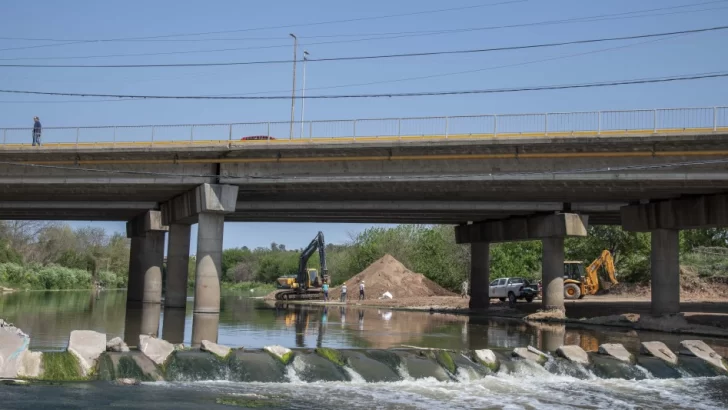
(293,91)
(303,91)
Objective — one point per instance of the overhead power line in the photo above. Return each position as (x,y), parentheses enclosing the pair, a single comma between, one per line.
(383,36)
(687,77)
(320,23)
(523,63)
(376,57)
(168,39)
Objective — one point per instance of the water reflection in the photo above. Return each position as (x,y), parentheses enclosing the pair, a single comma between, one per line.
(49,317)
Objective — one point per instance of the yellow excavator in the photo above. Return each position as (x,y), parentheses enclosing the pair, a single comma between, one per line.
(306,283)
(577,284)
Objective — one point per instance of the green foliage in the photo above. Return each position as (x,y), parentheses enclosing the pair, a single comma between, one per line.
(521,259)
(703,238)
(60,366)
(8,254)
(707,261)
(51,277)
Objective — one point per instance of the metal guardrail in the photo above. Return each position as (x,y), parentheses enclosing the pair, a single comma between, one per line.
(475,126)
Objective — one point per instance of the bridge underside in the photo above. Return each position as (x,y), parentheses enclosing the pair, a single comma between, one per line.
(445,181)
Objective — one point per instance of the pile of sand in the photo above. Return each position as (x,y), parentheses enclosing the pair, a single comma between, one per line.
(389,275)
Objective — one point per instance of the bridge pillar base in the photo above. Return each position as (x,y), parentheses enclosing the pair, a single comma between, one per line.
(553,274)
(178,258)
(665,270)
(479,275)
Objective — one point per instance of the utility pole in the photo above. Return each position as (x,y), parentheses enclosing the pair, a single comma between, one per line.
(293,91)
(303,92)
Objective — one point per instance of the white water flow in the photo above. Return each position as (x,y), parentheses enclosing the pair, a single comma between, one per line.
(520,389)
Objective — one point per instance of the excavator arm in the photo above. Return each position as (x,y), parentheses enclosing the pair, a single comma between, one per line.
(592,272)
(319,244)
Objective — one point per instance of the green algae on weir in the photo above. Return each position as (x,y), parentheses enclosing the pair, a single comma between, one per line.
(331,355)
(61,366)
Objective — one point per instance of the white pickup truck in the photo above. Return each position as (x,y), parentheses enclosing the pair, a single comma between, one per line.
(512,289)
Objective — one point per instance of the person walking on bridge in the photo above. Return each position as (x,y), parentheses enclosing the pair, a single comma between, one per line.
(36,131)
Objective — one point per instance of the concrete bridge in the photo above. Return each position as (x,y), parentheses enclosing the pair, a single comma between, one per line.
(499,178)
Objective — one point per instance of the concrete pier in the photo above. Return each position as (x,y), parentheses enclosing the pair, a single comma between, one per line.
(135,285)
(204,327)
(146,258)
(209,263)
(207,205)
(665,259)
(479,275)
(178,257)
(173,325)
(552,266)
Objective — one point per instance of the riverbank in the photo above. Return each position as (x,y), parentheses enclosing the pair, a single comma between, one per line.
(698,317)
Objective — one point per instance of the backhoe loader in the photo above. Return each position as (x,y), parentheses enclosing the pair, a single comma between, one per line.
(577,284)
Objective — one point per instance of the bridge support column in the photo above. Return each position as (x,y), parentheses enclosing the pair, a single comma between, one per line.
(552,265)
(479,275)
(209,263)
(178,258)
(665,269)
(146,258)
(207,204)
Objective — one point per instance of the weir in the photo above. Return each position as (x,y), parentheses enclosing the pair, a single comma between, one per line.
(90,358)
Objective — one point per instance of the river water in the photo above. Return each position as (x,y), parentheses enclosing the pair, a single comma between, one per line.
(49,317)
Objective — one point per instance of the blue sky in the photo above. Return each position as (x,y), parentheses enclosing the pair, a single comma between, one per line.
(87,19)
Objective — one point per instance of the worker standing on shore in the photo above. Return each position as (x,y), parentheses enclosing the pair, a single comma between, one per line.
(464,289)
(325,288)
(361,290)
(343,293)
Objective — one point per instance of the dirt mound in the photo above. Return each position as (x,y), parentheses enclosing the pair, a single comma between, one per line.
(389,275)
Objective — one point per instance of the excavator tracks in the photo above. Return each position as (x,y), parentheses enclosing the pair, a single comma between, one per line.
(293,295)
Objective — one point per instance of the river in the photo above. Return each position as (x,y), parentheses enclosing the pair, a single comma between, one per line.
(49,317)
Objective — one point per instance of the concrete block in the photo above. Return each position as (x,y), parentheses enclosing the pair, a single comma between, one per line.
(150,221)
(87,346)
(116,345)
(487,358)
(701,350)
(617,351)
(157,350)
(574,354)
(13,345)
(214,348)
(206,198)
(658,350)
(30,365)
(530,353)
(524,228)
(284,354)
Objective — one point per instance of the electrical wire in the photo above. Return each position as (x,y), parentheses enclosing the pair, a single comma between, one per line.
(161,38)
(376,57)
(320,23)
(687,77)
(491,68)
